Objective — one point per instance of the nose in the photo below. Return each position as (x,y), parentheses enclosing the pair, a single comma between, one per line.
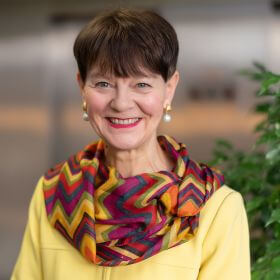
(122,99)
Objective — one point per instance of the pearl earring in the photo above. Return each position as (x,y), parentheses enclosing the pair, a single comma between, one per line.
(85,114)
(166,115)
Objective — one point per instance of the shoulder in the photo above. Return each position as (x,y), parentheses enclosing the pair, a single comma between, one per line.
(37,196)
(74,163)
(224,196)
(71,169)
(225,193)
(225,205)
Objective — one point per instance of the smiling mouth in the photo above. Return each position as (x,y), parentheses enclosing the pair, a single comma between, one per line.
(123,121)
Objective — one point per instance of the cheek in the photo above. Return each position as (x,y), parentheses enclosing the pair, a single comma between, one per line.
(152,105)
(96,104)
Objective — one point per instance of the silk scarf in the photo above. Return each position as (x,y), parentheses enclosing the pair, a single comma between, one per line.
(115,221)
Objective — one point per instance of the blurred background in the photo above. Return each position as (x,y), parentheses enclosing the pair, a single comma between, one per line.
(40,105)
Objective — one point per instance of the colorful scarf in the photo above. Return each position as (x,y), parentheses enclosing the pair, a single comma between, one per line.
(119,221)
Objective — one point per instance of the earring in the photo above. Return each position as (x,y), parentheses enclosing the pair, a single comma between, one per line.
(166,115)
(85,114)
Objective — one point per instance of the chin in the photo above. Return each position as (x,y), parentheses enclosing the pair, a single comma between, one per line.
(125,141)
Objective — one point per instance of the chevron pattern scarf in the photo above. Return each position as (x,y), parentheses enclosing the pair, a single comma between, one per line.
(119,221)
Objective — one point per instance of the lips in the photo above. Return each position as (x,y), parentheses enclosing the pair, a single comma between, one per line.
(123,123)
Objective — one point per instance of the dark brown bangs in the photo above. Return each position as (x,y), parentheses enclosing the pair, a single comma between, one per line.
(127,43)
(122,55)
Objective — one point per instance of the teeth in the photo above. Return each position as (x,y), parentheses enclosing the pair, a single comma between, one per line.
(126,121)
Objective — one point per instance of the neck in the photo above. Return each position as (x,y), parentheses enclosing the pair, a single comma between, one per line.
(148,157)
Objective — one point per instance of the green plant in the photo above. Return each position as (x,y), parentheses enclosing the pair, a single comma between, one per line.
(256,175)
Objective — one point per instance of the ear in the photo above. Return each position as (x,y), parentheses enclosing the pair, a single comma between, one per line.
(171,85)
(80,83)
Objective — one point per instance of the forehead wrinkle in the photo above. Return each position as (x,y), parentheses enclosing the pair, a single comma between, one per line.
(97,74)
(143,73)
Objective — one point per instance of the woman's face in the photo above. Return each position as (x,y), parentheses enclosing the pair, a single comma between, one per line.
(126,112)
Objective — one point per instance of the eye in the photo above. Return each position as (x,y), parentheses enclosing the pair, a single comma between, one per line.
(143,85)
(102,84)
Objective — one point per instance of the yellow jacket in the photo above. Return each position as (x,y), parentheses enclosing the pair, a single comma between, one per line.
(219,251)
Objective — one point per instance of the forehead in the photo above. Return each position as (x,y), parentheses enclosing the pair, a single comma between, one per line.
(144,73)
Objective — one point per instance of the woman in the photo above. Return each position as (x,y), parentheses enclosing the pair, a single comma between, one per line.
(132,205)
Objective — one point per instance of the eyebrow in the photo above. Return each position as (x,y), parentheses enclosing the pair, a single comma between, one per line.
(98,75)
(108,77)
(141,75)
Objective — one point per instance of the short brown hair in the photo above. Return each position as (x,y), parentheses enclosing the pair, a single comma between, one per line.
(123,42)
